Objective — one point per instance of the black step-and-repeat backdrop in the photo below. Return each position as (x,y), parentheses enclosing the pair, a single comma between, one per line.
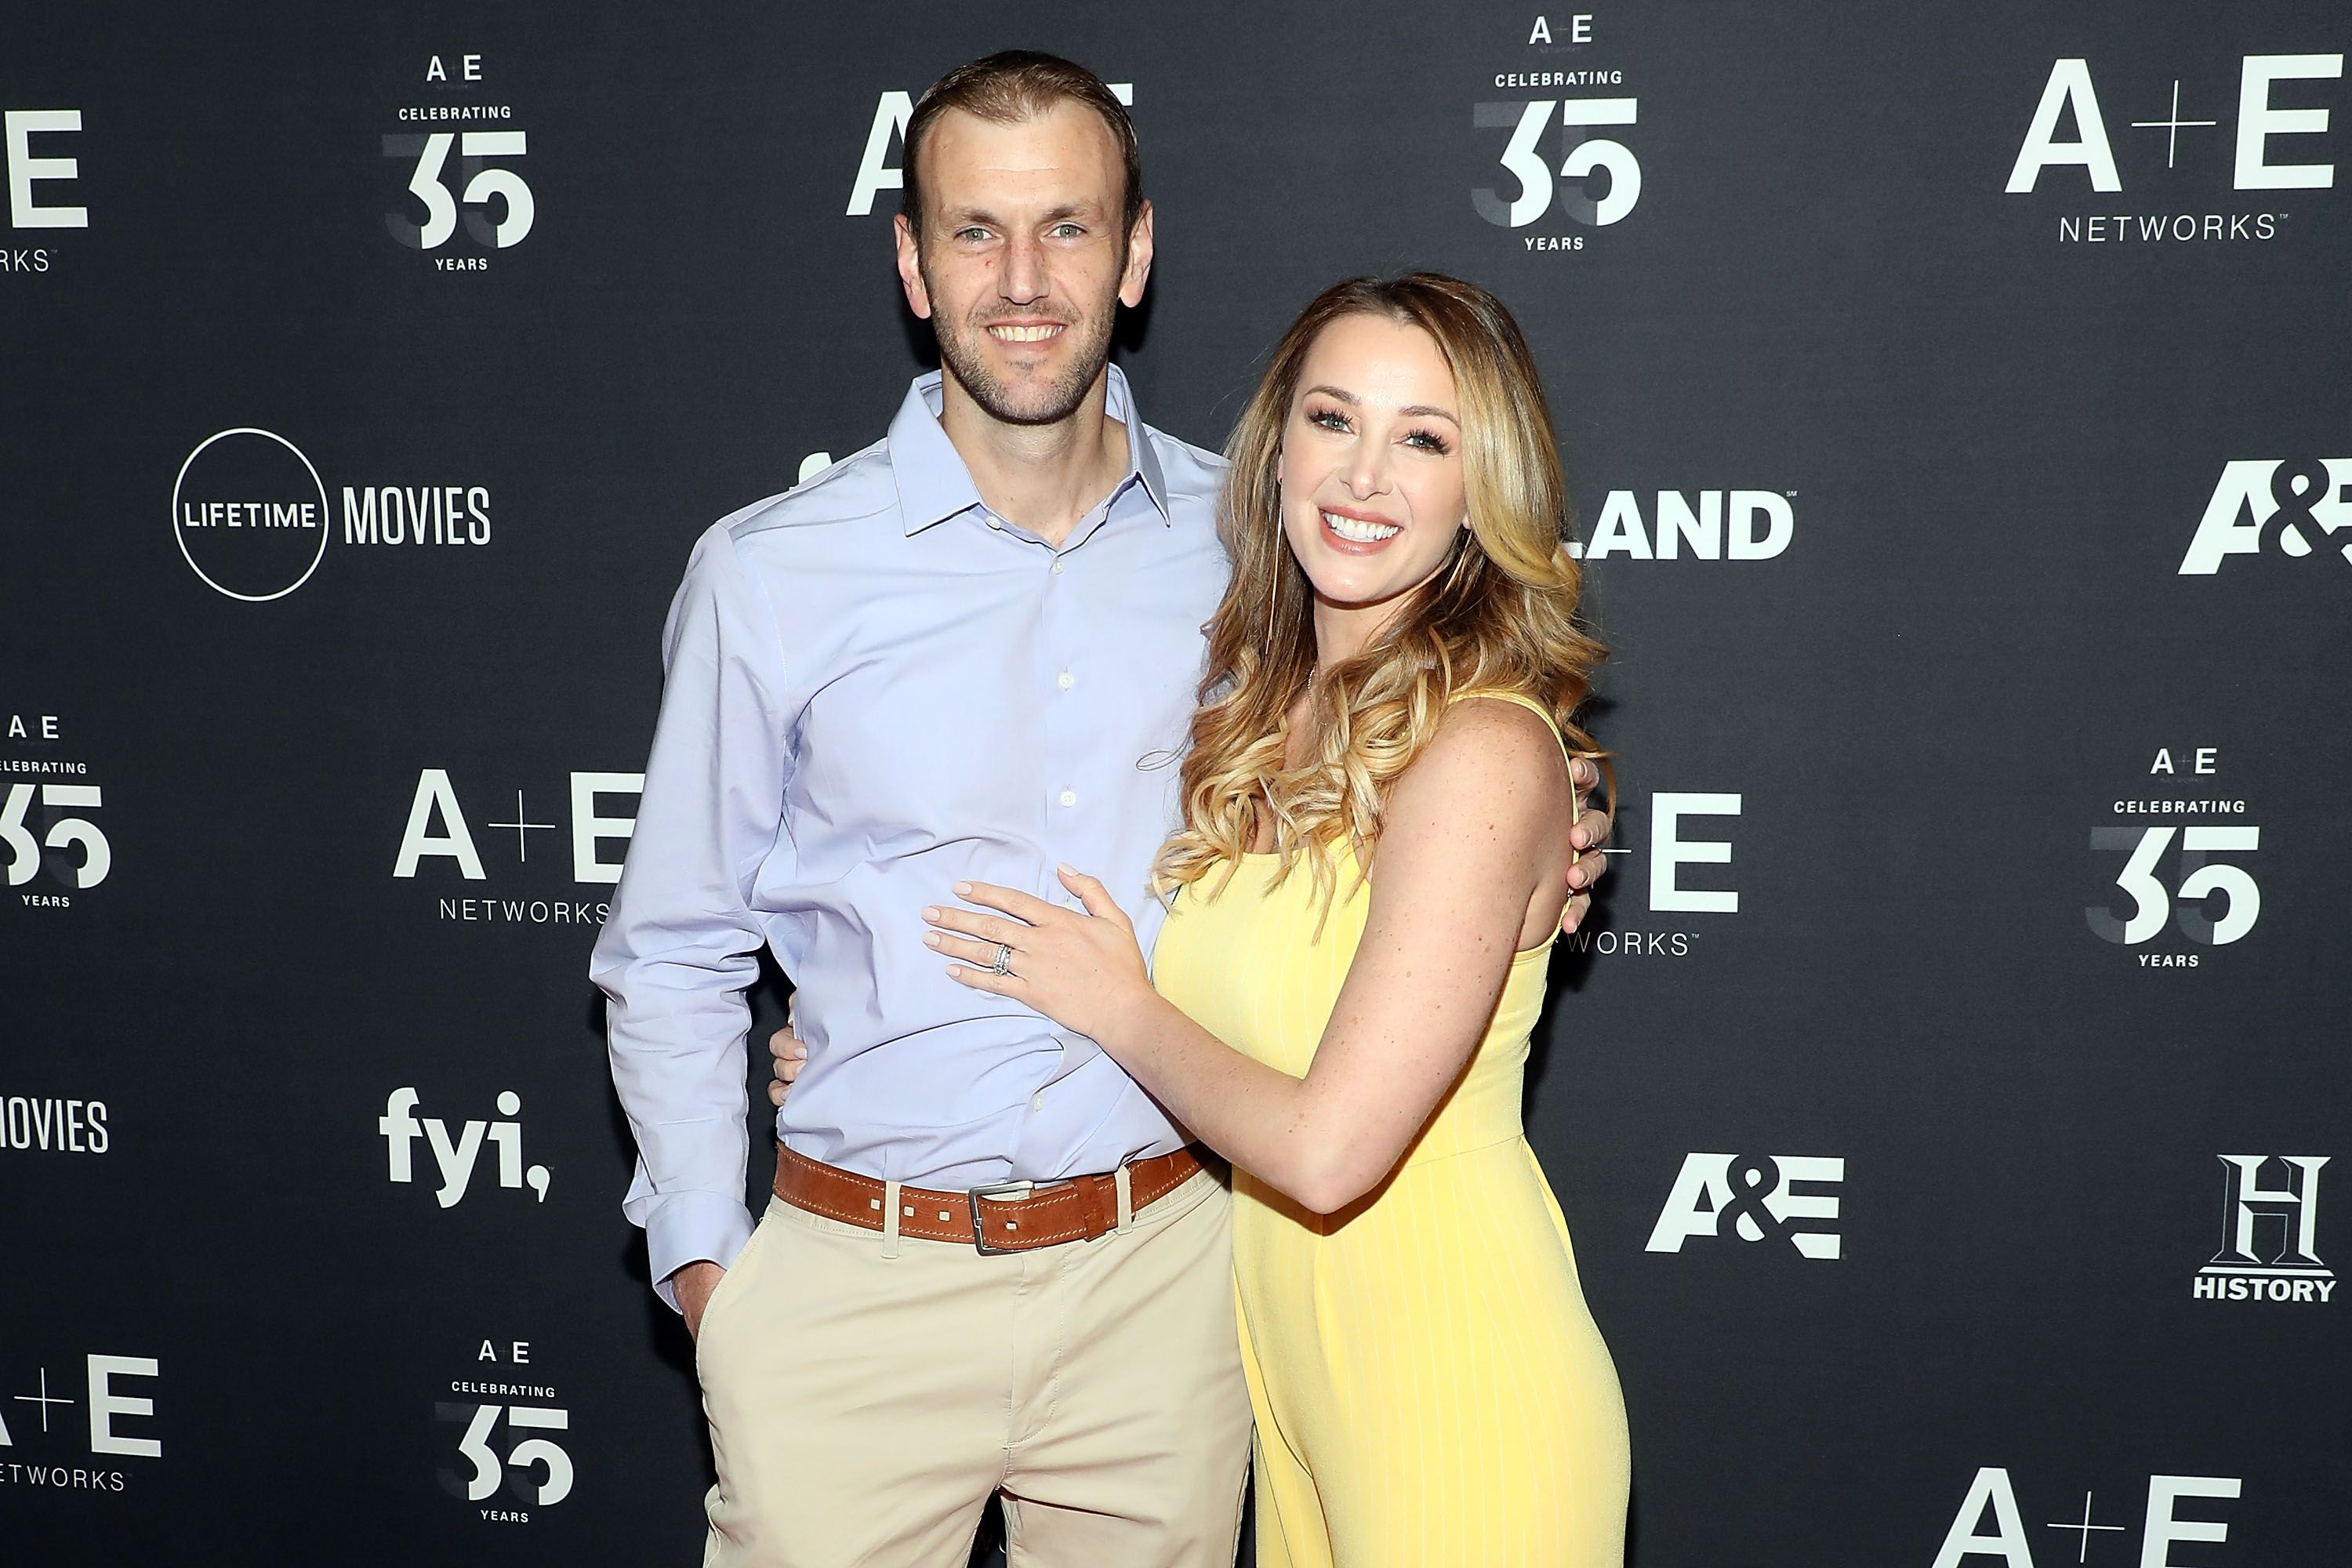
(1950,1099)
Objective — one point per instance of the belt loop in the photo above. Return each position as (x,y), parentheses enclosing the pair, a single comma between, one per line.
(890,1219)
(1121,1179)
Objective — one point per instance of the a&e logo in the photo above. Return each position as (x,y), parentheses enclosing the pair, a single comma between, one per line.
(2293,507)
(1757,1194)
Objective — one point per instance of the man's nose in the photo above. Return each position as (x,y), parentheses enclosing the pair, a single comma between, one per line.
(1023,277)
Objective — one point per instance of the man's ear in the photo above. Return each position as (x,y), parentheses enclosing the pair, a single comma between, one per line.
(1138,259)
(911,267)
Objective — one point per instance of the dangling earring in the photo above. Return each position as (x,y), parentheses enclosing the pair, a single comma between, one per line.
(1274,578)
(1465,544)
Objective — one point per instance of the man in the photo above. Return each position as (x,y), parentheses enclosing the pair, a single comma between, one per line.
(992,1264)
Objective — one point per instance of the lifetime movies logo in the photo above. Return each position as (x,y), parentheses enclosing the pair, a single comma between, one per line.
(49,1124)
(2280,115)
(459,179)
(250,515)
(1759,1195)
(54,850)
(2294,507)
(1597,180)
(2269,1233)
(2209,902)
(31,207)
(504,1440)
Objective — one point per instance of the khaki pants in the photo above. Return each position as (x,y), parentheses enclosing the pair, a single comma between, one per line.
(867,1394)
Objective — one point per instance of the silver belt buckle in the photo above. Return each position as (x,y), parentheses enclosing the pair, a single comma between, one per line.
(975,1197)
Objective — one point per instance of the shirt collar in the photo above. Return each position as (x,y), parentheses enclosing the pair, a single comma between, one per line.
(934,484)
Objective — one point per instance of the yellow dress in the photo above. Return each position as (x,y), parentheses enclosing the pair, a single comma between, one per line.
(1430,1389)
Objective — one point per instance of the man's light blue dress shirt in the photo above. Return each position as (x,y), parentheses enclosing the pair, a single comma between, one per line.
(877,688)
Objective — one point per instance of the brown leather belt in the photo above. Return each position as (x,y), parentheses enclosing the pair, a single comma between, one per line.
(1008,1217)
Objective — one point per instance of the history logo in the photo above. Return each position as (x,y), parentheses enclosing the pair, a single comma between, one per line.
(2270,1228)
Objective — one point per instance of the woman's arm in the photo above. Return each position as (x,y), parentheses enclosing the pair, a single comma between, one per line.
(1470,844)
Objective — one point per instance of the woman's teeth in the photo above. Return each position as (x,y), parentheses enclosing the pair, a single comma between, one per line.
(1358,530)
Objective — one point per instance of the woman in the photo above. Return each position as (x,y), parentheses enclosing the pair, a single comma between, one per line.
(1372,865)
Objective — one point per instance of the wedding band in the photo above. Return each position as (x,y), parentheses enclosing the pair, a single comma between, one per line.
(1002,962)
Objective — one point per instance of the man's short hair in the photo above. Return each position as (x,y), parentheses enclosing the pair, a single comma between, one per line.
(1008,88)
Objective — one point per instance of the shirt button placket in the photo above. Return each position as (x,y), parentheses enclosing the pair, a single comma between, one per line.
(1063,628)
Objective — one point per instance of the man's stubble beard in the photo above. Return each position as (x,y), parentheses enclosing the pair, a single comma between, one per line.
(962,356)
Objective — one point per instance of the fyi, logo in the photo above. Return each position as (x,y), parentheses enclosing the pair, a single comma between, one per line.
(455,1157)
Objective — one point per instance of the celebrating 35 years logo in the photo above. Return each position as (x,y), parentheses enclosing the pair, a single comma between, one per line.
(509,1437)
(51,843)
(462,158)
(2188,880)
(1564,126)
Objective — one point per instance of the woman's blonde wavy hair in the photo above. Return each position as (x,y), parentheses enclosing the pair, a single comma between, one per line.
(1499,615)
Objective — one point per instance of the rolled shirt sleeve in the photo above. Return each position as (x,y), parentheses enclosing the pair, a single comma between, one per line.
(680,946)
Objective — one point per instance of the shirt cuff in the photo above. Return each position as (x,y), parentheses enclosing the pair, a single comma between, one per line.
(692,1228)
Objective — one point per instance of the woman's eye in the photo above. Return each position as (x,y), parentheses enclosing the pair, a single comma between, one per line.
(1429,441)
(1329,418)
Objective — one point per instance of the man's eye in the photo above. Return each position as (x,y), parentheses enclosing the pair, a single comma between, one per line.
(1068,231)
(971,234)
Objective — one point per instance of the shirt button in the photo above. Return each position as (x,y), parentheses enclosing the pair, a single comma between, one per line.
(1058,565)
(1036,1102)
(1069,797)
(1066,681)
